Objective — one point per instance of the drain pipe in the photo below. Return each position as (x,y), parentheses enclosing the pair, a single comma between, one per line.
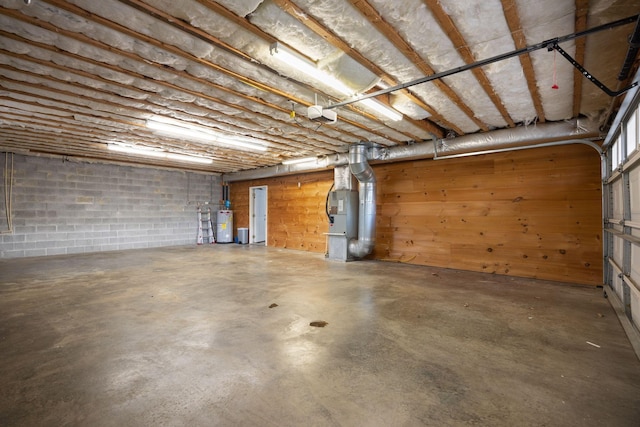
(360,168)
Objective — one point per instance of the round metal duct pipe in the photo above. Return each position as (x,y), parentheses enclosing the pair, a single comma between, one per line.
(516,138)
(363,172)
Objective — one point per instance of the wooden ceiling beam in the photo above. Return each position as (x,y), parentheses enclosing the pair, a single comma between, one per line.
(430,125)
(84,39)
(512,16)
(178,52)
(61,4)
(240,21)
(140,76)
(82,73)
(21,144)
(247,25)
(456,37)
(291,145)
(65,137)
(582,12)
(144,137)
(403,46)
(194,31)
(102,132)
(319,29)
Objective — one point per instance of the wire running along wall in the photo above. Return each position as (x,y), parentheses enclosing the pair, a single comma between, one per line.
(6,223)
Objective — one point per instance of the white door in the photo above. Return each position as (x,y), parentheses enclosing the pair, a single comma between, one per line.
(258,208)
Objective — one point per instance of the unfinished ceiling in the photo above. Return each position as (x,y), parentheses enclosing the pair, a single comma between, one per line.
(80,76)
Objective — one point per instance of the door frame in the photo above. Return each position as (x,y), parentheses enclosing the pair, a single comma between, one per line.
(252,212)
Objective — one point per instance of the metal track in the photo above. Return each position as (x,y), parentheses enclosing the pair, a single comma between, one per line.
(547,44)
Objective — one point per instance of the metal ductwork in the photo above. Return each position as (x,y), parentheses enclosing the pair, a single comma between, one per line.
(503,139)
(315,165)
(516,138)
(348,240)
(360,168)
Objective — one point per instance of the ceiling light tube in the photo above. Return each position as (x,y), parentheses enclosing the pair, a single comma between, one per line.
(189,131)
(140,151)
(250,143)
(158,154)
(180,130)
(300,160)
(308,67)
(382,109)
(187,158)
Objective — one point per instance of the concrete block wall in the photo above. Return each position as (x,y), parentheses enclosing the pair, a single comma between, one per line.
(65,207)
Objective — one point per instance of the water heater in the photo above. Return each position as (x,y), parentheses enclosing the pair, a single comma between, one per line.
(224,226)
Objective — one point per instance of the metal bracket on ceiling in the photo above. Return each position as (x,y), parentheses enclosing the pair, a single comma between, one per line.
(435,148)
(632,52)
(588,75)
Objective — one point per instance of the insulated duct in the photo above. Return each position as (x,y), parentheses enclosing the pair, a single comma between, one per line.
(363,172)
(517,138)
(498,139)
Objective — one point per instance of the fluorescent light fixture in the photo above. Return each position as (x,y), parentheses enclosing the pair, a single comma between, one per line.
(187,158)
(158,154)
(141,151)
(310,68)
(300,160)
(179,130)
(241,141)
(189,131)
(302,64)
(382,109)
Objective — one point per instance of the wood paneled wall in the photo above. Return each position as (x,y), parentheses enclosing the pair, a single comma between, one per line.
(532,213)
(296,217)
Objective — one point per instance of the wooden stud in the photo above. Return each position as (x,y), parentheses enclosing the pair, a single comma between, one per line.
(292,147)
(513,21)
(582,12)
(176,51)
(243,22)
(314,25)
(398,41)
(460,43)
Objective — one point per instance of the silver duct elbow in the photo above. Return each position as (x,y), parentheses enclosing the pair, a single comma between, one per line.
(360,168)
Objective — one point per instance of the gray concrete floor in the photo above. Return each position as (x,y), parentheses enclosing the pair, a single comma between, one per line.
(185,336)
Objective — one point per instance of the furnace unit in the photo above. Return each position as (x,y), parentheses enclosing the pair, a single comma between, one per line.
(342,209)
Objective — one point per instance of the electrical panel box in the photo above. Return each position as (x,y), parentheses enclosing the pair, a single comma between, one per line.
(343,213)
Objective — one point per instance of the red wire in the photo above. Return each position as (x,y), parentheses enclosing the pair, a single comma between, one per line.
(555,77)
